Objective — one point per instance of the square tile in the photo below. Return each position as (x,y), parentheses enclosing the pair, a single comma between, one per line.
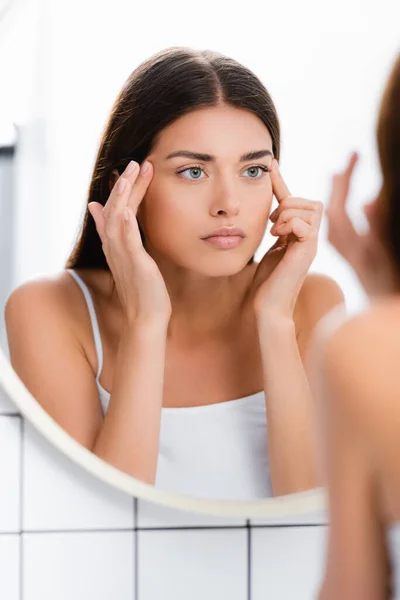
(6,406)
(61,495)
(10,566)
(10,473)
(287,562)
(154,515)
(78,566)
(196,564)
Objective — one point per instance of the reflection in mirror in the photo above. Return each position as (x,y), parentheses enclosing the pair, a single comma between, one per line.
(163,345)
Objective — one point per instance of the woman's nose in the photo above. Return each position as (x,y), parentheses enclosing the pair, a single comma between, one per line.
(226,201)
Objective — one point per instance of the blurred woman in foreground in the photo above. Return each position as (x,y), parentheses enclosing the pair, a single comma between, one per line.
(357,369)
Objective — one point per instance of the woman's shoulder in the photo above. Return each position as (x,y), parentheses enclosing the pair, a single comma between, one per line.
(53,288)
(319,299)
(53,294)
(318,295)
(376,325)
(60,286)
(361,356)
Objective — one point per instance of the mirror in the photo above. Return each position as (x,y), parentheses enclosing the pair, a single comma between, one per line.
(309,503)
(187,391)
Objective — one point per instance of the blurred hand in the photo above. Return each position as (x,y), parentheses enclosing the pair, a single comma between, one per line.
(366,254)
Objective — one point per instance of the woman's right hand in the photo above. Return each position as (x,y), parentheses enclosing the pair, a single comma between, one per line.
(367,253)
(140,285)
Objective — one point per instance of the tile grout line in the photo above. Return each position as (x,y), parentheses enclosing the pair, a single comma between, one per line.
(162,528)
(11,414)
(136,550)
(249,569)
(21,509)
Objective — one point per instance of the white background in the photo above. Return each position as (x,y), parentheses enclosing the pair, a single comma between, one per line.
(324,64)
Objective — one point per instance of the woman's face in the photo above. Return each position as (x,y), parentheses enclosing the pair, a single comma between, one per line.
(188,198)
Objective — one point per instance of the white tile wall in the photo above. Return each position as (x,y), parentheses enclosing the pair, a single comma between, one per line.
(288,562)
(66,535)
(10,466)
(78,566)
(153,515)
(195,564)
(10,566)
(77,500)
(316,518)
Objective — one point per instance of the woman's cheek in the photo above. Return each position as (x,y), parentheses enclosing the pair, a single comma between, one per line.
(261,220)
(262,207)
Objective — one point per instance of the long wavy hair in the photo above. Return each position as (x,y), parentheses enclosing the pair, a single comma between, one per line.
(166,86)
(388,140)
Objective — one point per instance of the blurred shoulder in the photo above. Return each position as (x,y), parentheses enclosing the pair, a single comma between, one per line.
(360,358)
(366,331)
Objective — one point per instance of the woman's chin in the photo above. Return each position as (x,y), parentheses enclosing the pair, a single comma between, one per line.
(222,265)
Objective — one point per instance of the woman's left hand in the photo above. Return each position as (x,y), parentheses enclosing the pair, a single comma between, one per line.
(283,269)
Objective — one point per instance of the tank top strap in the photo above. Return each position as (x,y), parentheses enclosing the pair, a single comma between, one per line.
(93,319)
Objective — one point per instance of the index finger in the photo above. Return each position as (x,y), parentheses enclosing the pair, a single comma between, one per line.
(341,184)
(140,186)
(121,188)
(279,187)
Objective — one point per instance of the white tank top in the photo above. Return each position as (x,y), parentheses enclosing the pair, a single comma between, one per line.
(393,541)
(212,451)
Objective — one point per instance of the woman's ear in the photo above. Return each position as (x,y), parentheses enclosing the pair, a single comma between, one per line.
(114,176)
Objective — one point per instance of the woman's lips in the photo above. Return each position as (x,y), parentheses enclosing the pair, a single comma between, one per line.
(224,241)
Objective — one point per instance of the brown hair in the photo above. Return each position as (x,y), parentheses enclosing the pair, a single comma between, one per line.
(169,84)
(388,139)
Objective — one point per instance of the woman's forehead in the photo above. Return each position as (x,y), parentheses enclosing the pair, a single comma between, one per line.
(213,130)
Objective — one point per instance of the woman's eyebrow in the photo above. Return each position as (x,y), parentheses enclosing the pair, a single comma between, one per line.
(254,155)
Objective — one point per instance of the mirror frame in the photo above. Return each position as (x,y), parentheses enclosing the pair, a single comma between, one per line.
(291,505)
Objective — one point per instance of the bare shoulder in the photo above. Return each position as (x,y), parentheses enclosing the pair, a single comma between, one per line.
(319,295)
(372,334)
(50,291)
(360,358)
(44,336)
(55,295)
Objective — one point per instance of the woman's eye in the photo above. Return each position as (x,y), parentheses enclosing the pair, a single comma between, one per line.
(196,171)
(253,171)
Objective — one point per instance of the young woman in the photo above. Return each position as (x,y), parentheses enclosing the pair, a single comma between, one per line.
(358,374)
(191,352)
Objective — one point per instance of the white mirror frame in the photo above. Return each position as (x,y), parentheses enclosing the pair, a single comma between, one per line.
(303,503)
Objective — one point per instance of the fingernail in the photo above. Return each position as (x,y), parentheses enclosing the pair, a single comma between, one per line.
(145,166)
(130,167)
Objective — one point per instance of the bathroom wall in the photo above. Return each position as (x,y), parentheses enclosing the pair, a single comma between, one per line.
(66,535)
(7,151)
